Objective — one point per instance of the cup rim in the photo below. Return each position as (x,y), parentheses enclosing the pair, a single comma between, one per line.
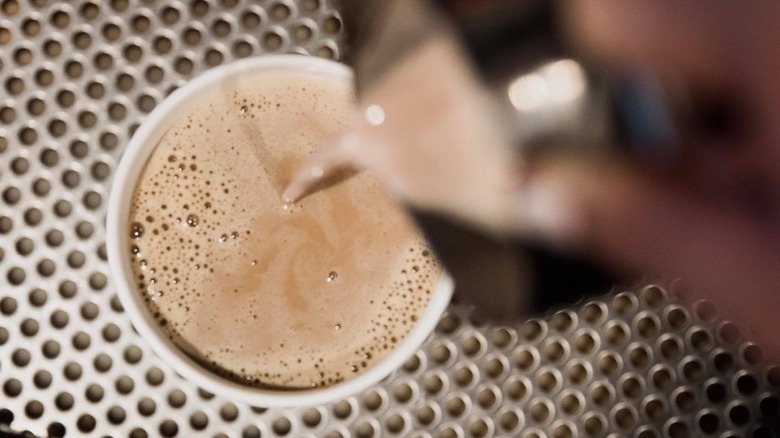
(140,146)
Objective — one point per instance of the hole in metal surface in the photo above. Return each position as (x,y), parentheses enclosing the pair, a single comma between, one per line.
(464,376)
(116,415)
(169,428)
(616,333)
(41,187)
(59,319)
(8,306)
(729,333)
(486,398)
(281,426)
(563,321)
(94,393)
(747,384)
(705,311)
(540,412)
(154,376)
(364,430)
(250,432)
(577,372)
(72,371)
(625,417)
(479,428)
(272,41)
(671,347)
(501,337)
(662,378)
(639,356)
(312,418)
(50,349)
(677,317)
(425,415)
(332,25)
(342,409)
(21,357)
(124,385)
(739,414)
(647,326)
(24,247)
(700,339)
(723,362)
(455,406)
(709,423)
(64,401)
(548,380)
(678,429)
(716,392)
(81,341)
(693,369)
(146,406)
(752,354)
(654,296)
(517,389)
(555,351)
(594,425)
(403,392)
(624,304)
(102,362)
(199,420)
(176,398)
(601,394)
(12,387)
(395,423)
(770,406)
(29,327)
(685,401)
(525,359)
(609,364)
(33,409)
(655,409)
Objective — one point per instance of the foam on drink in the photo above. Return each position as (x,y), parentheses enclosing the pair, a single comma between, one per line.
(262,293)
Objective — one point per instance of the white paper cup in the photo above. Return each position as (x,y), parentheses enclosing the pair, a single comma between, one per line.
(146,138)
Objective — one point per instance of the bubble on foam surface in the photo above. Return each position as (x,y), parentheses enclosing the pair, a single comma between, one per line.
(222,264)
(136,230)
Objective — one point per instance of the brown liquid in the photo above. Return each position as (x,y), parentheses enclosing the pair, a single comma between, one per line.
(293,297)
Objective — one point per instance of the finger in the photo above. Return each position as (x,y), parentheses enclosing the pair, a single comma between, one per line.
(725,108)
(675,37)
(634,221)
(323,169)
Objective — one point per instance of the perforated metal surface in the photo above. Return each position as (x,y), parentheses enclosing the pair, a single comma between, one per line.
(77,78)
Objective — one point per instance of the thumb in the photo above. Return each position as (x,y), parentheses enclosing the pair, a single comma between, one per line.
(634,221)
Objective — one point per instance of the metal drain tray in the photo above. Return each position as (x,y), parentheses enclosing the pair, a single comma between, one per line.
(77,78)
